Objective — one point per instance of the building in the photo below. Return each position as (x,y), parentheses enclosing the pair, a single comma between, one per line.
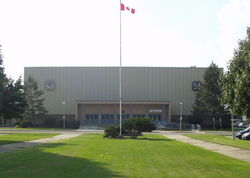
(91,94)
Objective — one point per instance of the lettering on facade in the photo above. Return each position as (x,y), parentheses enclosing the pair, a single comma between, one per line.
(155,110)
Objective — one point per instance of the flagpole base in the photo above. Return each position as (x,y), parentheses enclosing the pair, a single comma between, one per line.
(120,137)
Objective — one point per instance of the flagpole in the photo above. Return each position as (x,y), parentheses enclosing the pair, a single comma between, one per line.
(120,71)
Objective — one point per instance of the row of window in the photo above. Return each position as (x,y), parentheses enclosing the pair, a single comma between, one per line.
(104,117)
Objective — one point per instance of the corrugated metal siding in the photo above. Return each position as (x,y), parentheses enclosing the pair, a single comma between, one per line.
(101,84)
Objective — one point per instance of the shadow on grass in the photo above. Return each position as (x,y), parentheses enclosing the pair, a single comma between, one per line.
(4,142)
(155,139)
(52,160)
(145,138)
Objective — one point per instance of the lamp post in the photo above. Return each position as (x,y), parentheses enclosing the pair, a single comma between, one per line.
(180,114)
(63,103)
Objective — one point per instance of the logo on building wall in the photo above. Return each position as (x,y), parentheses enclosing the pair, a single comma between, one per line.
(196,85)
(50,85)
(155,110)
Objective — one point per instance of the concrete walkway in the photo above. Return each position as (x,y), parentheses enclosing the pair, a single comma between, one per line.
(230,151)
(15,146)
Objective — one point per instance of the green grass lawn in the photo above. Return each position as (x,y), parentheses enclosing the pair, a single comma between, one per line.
(93,156)
(14,128)
(223,130)
(245,144)
(8,138)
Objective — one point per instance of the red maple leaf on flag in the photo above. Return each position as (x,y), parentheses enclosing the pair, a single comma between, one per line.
(123,7)
(132,11)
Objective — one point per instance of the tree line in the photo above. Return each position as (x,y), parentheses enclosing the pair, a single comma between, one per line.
(226,93)
(20,101)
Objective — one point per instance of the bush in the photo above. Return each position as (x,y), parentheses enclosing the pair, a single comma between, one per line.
(72,124)
(51,123)
(58,123)
(17,124)
(135,126)
(111,132)
(25,124)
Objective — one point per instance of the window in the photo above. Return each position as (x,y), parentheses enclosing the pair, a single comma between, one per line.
(124,116)
(107,118)
(91,118)
(155,117)
(138,115)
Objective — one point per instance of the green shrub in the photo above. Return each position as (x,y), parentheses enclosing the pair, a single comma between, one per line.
(111,132)
(51,123)
(72,124)
(58,123)
(135,126)
(25,124)
(17,124)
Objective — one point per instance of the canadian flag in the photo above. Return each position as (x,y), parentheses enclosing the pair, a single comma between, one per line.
(123,8)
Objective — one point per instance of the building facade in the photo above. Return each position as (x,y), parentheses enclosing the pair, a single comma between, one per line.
(91,94)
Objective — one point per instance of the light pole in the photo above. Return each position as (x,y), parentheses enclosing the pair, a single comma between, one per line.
(221,126)
(63,103)
(180,114)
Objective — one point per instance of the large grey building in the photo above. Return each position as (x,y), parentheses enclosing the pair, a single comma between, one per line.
(91,94)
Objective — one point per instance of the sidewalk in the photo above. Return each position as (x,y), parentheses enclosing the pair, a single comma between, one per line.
(15,146)
(230,151)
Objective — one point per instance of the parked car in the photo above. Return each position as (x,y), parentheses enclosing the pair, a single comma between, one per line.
(246,136)
(240,133)
(242,125)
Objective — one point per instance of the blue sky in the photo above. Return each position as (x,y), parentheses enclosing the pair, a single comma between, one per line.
(169,33)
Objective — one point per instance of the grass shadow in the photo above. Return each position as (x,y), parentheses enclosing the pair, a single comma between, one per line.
(155,139)
(48,161)
(5,142)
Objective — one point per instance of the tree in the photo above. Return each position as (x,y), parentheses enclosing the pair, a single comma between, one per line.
(212,90)
(3,81)
(35,106)
(236,81)
(13,100)
(200,109)
(207,102)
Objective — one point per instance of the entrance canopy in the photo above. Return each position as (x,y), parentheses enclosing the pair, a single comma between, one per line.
(101,113)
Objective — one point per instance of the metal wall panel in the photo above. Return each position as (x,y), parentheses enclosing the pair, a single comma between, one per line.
(101,84)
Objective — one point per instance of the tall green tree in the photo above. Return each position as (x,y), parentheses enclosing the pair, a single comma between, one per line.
(200,109)
(236,81)
(207,102)
(13,100)
(3,81)
(34,100)
(212,90)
